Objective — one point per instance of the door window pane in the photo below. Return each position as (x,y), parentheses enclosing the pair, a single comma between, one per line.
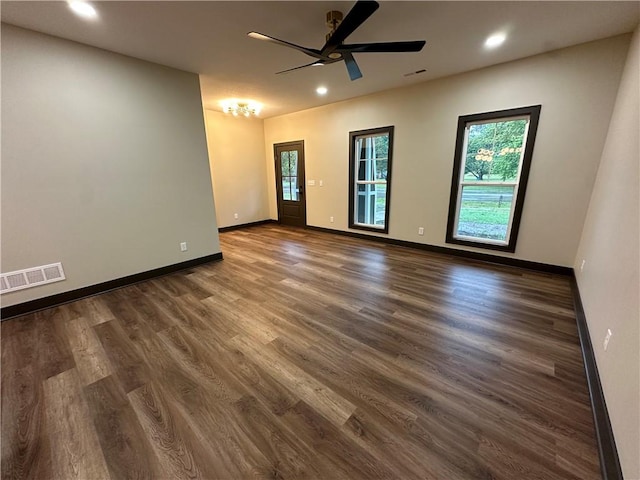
(286,188)
(284,163)
(289,171)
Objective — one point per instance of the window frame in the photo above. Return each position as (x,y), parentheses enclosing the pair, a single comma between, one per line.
(520,185)
(353,181)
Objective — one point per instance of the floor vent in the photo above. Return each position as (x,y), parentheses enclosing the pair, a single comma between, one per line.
(31,277)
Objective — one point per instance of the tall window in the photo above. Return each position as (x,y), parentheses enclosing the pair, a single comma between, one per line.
(370,177)
(490,172)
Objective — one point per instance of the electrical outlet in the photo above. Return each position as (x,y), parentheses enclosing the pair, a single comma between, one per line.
(420,230)
(320,183)
(183,246)
(235,215)
(582,265)
(331,219)
(607,338)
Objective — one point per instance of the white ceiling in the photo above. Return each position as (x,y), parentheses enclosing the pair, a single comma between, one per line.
(210,38)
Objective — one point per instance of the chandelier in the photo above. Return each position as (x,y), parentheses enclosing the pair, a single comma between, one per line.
(236,108)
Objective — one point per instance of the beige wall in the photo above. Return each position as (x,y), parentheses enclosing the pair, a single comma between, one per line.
(576,87)
(104,163)
(236,154)
(610,282)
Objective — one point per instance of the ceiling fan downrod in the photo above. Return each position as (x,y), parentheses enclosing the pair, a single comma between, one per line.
(334,18)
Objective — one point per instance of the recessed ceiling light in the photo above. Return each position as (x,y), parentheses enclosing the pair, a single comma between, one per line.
(495,40)
(83,9)
(321,90)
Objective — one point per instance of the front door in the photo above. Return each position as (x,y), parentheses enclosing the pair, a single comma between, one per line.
(290,183)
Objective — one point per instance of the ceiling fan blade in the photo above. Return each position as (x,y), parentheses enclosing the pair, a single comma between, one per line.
(301,66)
(362,10)
(383,47)
(352,66)
(309,51)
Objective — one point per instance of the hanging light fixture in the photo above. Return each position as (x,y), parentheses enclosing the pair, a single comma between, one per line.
(235,108)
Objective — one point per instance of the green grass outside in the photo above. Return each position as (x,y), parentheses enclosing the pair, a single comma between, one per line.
(487,178)
(484,219)
(488,189)
(485,212)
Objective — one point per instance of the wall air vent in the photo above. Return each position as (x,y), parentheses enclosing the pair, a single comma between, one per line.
(31,277)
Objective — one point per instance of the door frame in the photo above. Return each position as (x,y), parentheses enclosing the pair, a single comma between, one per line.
(302,183)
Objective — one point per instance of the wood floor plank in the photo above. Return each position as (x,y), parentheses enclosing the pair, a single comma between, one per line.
(346,457)
(135,312)
(235,451)
(205,406)
(304,355)
(125,446)
(290,457)
(129,367)
(90,358)
(203,364)
(52,350)
(346,382)
(94,310)
(333,407)
(170,437)
(383,443)
(75,449)
(441,434)
(25,440)
(507,462)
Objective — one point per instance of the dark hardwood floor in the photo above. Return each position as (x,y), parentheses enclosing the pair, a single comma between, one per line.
(304,355)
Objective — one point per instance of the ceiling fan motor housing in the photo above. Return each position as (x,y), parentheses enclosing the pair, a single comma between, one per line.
(334,18)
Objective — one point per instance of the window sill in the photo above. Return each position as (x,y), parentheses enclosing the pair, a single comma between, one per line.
(368,228)
(511,248)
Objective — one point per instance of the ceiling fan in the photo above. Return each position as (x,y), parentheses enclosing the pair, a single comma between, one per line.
(335,50)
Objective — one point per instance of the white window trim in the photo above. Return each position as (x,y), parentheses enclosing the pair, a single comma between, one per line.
(516,184)
(358,147)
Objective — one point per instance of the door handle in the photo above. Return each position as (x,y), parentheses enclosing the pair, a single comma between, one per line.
(301,190)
